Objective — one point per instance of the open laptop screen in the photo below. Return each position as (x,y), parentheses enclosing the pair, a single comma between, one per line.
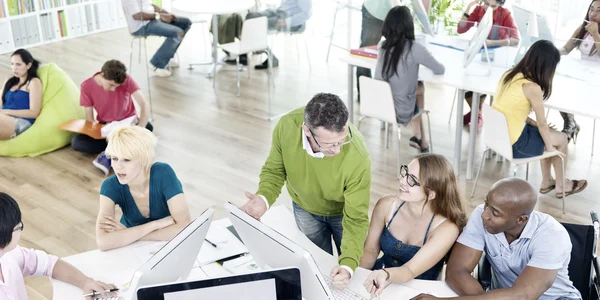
(282,284)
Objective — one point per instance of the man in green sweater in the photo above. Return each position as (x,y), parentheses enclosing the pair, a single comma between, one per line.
(324,162)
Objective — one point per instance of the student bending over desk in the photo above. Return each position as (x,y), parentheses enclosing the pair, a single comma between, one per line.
(523,89)
(17,262)
(587,39)
(416,228)
(149,194)
(529,251)
(21,97)
(504,33)
(398,63)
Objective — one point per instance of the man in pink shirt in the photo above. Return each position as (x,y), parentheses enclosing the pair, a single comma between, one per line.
(110,93)
(17,262)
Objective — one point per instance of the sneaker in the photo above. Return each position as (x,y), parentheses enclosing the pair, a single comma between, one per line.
(173,63)
(161,72)
(103,163)
(265,64)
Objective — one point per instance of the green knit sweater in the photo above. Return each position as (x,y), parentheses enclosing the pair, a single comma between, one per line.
(329,186)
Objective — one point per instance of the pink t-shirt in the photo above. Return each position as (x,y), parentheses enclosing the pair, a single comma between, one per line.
(110,106)
(19,263)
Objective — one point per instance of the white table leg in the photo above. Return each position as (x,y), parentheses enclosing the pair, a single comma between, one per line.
(473,134)
(458,133)
(215,32)
(351,93)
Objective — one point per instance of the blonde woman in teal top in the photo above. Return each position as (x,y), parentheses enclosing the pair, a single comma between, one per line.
(149,194)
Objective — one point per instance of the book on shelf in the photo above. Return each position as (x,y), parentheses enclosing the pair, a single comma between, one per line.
(19,7)
(369,51)
(2,12)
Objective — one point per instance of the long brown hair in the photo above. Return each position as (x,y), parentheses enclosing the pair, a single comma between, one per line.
(436,175)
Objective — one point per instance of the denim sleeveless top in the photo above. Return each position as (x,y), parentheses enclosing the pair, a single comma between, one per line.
(396,253)
(17,100)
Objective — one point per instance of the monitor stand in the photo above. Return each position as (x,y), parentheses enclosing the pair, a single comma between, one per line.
(477,70)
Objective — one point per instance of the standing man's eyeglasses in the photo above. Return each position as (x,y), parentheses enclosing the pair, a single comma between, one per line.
(20,227)
(329,146)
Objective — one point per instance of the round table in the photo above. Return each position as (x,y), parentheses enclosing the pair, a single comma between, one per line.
(213,7)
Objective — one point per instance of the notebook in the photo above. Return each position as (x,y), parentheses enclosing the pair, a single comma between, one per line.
(369,51)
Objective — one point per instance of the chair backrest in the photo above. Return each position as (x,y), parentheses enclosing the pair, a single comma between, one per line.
(377,100)
(582,255)
(254,35)
(496,135)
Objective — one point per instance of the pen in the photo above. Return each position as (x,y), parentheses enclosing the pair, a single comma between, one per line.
(94,293)
(213,244)
(375,284)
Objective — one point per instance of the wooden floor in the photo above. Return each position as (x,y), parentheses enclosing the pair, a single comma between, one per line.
(217,142)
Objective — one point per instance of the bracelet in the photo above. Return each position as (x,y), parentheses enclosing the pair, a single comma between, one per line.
(388,274)
(466,15)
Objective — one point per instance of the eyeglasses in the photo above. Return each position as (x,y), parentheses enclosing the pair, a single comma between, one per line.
(19,228)
(411,179)
(348,140)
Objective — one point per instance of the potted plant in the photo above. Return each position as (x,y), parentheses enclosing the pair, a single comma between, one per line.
(446,13)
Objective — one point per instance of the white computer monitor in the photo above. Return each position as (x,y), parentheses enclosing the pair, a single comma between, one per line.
(271,249)
(479,38)
(175,260)
(422,16)
(523,16)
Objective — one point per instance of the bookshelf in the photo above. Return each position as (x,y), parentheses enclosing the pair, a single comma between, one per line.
(29,23)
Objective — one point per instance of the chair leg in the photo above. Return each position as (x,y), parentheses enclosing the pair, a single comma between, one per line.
(527,173)
(131,55)
(332,30)
(452,107)
(478,173)
(562,166)
(398,160)
(237,72)
(270,72)
(359,121)
(248,60)
(429,129)
(148,79)
(385,132)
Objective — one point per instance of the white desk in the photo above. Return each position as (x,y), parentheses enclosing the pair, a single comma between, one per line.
(117,266)
(213,7)
(455,76)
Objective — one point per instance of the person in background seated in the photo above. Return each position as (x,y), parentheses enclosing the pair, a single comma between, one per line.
(21,97)
(291,16)
(398,63)
(504,33)
(587,39)
(374,13)
(110,93)
(149,193)
(528,251)
(523,89)
(416,228)
(146,19)
(17,262)
(323,161)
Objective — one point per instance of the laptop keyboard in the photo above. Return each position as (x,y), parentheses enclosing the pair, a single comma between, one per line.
(345,294)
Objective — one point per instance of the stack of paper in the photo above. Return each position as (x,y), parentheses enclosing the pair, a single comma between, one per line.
(227,245)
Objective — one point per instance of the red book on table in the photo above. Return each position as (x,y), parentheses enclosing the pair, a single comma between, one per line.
(369,51)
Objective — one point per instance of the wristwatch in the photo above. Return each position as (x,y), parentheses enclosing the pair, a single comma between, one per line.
(466,15)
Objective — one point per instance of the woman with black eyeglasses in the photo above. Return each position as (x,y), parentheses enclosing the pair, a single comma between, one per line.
(17,262)
(415,228)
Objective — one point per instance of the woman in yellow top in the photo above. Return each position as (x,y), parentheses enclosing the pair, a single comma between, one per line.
(523,89)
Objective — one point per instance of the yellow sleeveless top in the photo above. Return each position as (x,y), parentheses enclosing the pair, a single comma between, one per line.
(511,101)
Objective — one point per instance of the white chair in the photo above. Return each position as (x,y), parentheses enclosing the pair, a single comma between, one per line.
(140,39)
(253,39)
(378,103)
(497,139)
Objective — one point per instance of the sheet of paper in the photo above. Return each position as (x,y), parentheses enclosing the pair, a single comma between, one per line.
(227,245)
(584,70)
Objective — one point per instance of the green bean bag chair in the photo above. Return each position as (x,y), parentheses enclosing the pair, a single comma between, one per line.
(60,103)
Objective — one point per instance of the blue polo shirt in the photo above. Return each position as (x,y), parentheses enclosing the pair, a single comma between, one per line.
(164,185)
(544,243)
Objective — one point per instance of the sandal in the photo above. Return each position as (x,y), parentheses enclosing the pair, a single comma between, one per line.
(548,189)
(416,143)
(578,186)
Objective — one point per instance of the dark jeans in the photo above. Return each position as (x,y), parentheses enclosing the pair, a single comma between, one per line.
(370,34)
(320,229)
(171,32)
(86,144)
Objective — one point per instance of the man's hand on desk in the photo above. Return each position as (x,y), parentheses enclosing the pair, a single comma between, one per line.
(109,224)
(255,206)
(340,277)
(424,297)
